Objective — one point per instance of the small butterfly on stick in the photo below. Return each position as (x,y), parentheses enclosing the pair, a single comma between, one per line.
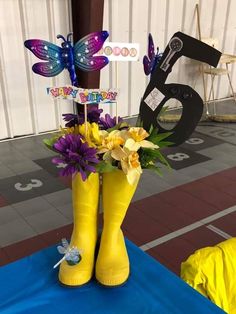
(68,56)
(151,61)
(71,254)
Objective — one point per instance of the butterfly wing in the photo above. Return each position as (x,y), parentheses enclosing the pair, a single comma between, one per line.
(92,64)
(93,42)
(149,61)
(86,47)
(61,249)
(47,69)
(65,243)
(47,51)
(146,65)
(151,49)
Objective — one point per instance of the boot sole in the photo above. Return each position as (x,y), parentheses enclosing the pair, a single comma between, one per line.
(113,286)
(76,286)
(73,287)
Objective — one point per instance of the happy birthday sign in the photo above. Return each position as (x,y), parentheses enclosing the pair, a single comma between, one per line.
(84,96)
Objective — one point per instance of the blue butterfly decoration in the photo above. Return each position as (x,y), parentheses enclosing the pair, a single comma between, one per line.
(68,56)
(71,254)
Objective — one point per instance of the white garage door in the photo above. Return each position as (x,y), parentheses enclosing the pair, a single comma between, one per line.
(25,107)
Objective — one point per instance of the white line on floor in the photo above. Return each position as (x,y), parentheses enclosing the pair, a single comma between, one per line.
(188,228)
(219,231)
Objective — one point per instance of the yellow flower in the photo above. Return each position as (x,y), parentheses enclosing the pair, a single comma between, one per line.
(136,139)
(110,141)
(92,135)
(72,130)
(134,146)
(138,134)
(129,162)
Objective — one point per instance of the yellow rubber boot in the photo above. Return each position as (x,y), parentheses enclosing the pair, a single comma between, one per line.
(85,195)
(112,266)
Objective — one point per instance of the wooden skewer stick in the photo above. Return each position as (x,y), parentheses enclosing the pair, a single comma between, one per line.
(86,119)
(198,22)
(58,263)
(117,83)
(201,66)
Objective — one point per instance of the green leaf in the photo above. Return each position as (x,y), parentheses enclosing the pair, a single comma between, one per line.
(49,142)
(104,166)
(152,155)
(151,129)
(164,161)
(139,122)
(153,133)
(165,144)
(157,138)
(163,110)
(155,169)
(118,126)
(161,136)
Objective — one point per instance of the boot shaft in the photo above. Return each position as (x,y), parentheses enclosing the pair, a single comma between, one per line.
(117,194)
(85,195)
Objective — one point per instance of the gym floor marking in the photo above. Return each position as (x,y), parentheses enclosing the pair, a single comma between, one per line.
(188,228)
(219,231)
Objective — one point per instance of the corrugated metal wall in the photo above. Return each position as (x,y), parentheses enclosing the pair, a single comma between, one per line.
(132,20)
(24,106)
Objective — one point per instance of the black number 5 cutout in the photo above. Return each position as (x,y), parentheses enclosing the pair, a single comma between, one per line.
(158,93)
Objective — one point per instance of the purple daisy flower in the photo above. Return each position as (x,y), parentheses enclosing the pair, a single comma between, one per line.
(73,119)
(77,156)
(94,114)
(108,122)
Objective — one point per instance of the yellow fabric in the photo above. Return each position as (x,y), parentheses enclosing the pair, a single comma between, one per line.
(212,271)
(85,195)
(112,266)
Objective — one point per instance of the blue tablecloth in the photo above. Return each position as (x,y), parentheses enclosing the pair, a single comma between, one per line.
(30,285)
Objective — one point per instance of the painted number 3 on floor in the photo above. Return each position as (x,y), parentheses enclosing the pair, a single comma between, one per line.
(35,183)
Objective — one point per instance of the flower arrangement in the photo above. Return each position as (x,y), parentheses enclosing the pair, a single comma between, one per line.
(100,145)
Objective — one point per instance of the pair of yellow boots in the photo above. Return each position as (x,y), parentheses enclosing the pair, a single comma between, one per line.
(112,264)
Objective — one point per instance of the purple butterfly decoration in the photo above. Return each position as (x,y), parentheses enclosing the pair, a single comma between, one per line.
(68,56)
(151,61)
